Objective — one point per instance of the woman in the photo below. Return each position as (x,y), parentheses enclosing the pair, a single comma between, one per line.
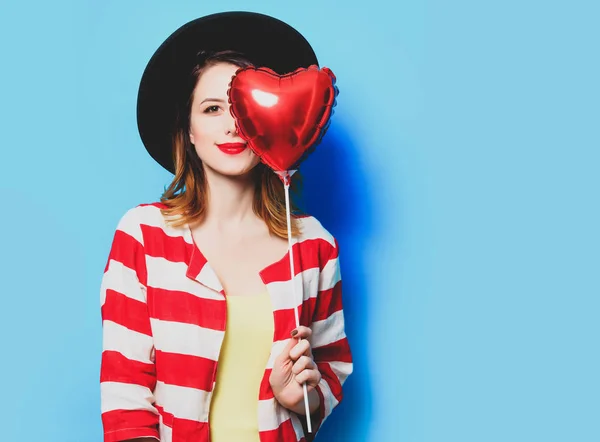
(199,335)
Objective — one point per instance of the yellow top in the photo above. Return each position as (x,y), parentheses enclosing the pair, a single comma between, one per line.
(242,361)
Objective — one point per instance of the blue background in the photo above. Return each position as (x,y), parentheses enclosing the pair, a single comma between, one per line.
(460,176)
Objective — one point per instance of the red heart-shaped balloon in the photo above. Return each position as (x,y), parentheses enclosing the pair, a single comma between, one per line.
(282,117)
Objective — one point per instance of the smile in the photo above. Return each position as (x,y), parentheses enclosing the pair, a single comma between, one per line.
(232,148)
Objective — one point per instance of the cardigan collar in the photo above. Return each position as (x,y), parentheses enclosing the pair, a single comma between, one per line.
(199,269)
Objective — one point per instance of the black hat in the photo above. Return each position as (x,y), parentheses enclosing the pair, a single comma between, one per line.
(265,40)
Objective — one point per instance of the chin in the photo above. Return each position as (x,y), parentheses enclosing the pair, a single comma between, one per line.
(228,165)
(233,168)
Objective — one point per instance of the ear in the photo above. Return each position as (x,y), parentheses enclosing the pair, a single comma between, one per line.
(192,138)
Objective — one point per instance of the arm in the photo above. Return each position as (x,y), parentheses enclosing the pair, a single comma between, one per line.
(127,372)
(330,348)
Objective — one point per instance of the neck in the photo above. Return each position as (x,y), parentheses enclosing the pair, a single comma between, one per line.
(230,200)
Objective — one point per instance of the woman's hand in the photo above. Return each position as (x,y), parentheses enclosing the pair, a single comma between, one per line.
(293,367)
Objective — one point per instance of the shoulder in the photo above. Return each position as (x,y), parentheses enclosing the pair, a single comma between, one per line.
(148,214)
(138,218)
(312,229)
(313,233)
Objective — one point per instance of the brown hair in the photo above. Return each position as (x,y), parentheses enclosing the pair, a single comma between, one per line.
(186,196)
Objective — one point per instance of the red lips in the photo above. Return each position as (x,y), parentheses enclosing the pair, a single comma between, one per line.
(232,148)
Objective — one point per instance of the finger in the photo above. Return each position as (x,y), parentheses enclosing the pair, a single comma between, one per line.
(302,332)
(311,377)
(301,348)
(285,352)
(303,363)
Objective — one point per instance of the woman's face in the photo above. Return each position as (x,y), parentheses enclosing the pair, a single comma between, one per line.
(212,128)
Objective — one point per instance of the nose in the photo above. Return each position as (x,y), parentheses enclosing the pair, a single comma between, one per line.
(230,128)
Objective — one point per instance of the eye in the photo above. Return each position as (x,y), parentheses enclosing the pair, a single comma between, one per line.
(211,109)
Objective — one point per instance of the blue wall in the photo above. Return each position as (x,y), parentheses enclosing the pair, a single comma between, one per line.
(460,176)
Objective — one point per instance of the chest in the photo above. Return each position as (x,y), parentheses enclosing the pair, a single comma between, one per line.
(188,313)
(238,260)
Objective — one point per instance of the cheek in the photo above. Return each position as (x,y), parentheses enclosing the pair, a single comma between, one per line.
(202,130)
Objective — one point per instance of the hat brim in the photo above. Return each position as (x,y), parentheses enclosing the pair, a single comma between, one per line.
(265,40)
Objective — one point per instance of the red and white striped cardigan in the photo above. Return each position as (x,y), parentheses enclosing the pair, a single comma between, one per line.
(163,321)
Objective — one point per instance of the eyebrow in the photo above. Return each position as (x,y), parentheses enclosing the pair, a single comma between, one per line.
(212,99)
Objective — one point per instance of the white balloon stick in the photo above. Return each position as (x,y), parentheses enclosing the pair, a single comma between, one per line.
(287,175)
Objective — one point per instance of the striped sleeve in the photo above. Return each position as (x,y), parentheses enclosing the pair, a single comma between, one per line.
(127,372)
(330,347)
